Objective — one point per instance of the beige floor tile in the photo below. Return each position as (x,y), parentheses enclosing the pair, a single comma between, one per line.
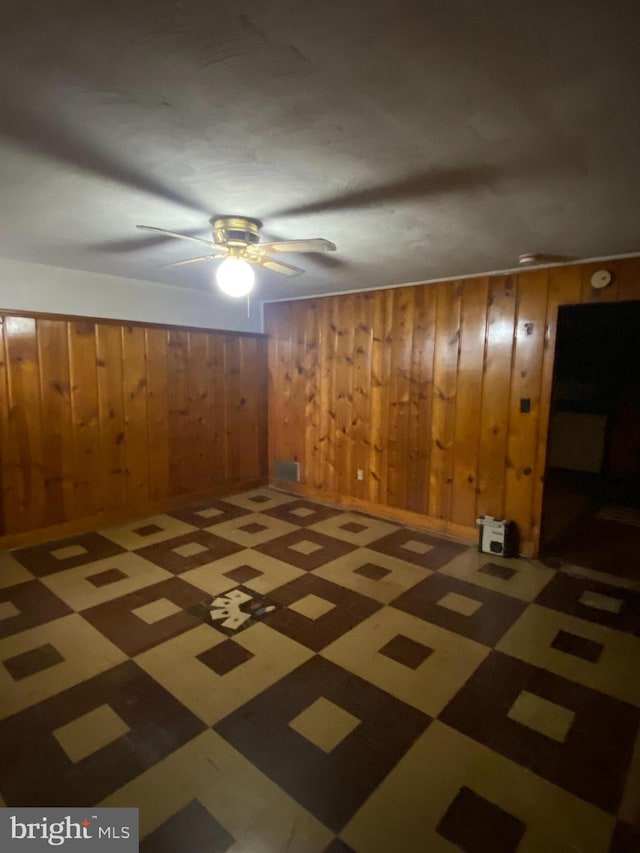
(373,528)
(85,650)
(190,549)
(431,685)
(230,530)
(157,610)
(460,603)
(416,547)
(529,580)
(210,696)
(90,732)
(542,716)
(273,499)
(68,551)
(306,547)
(312,606)
(411,801)
(255,811)
(8,610)
(73,586)
(324,724)
(126,537)
(402,576)
(212,578)
(617,672)
(11,571)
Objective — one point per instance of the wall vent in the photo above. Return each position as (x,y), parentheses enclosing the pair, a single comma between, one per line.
(288,472)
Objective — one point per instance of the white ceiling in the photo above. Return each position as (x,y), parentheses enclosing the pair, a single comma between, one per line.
(425,138)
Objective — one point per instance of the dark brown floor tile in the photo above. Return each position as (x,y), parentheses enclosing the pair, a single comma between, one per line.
(35,660)
(580,647)
(36,770)
(625,839)
(243,574)
(164,554)
(406,651)
(302,513)
(477,825)
(40,561)
(496,614)
(147,530)
(349,609)
(107,577)
(338,846)
(399,544)
(371,571)
(208,513)
(332,785)
(494,570)
(253,527)
(132,634)
(36,603)
(564,592)
(191,830)
(225,657)
(353,527)
(305,549)
(593,759)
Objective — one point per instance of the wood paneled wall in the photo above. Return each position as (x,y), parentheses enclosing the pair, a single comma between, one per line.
(420,387)
(100,421)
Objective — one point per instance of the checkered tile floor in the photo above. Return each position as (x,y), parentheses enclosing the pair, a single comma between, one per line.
(267,673)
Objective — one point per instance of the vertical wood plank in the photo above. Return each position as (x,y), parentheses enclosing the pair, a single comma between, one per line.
(525,384)
(88,480)
(312,401)
(379,417)
(496,384)
(419,435)
(233,396)
(343,319)
(178,408)
(361,408)
(198,477)
(445,371)
(53,358)
(216,371)
(134,377)
(400,395)
(109,360)
(328,344)
(473,321)
(158,443)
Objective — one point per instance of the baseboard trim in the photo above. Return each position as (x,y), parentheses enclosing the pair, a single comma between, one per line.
(124,514)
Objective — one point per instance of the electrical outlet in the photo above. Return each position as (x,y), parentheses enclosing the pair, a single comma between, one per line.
(360,474)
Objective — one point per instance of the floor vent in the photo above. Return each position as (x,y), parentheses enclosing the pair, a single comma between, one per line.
(288,472)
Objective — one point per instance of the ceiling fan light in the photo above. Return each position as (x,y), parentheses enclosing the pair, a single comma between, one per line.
(235,277)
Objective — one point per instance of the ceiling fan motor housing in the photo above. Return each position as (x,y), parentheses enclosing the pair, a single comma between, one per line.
(236,230)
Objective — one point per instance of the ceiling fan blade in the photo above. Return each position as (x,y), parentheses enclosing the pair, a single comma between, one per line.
(177,236)
(277,266)
(215,257)
(135,244)
(317,244)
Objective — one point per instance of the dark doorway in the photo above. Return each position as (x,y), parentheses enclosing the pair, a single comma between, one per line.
(591,513)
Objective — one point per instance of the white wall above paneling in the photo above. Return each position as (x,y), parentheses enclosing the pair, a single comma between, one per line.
(26,286)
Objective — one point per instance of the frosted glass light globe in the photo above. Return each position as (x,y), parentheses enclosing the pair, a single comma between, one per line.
(235,277)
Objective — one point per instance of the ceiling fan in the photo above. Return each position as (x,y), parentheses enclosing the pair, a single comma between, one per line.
(236,239)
